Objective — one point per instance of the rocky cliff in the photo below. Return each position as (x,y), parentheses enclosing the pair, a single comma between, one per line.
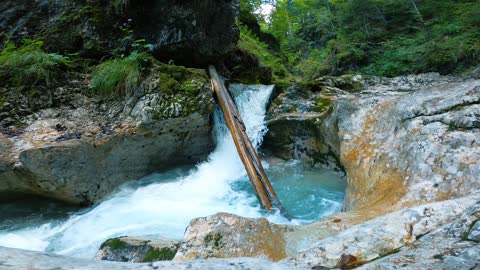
(70,145)
(189,32)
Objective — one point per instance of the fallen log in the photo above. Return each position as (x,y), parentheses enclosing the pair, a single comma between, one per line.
(258,178)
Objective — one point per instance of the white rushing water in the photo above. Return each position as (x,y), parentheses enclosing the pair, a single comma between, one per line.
(162,205)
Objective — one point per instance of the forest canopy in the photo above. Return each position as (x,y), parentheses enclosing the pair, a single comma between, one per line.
(380,37)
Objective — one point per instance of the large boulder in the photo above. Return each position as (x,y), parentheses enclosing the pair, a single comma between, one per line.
(77,147)
(225,236)
(137,250)
(193,31)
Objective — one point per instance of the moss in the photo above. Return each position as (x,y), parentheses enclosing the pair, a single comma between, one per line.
(215,239)
(439,256)
(179,79)
(312,86)
(163,254)
(277,102)
(114,243)
(2,101)
(76,16)
(322,104)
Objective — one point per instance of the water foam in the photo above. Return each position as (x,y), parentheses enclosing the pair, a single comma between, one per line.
(163,207)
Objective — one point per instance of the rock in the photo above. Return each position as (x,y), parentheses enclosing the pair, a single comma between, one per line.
(225,236)
(128,249)
(104,142)
(417,145)
(242,66)
(193,32)
(383,235)
(294,127)
(444,248)
(474,233)
(14,259)
(411,137)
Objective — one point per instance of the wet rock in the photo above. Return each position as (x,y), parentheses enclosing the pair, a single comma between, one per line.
(226,236)
(85,146)
(294,123)
(128,249)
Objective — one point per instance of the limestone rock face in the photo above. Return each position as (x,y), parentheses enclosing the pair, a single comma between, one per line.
(137,250)
(226,235)
(80,149)
(401,141)
(416,144)
(381,236)
(194,32)
(448,247)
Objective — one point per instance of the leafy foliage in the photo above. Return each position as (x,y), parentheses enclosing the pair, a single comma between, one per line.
(381,37)
(250,42)
(29,65)
(120,76)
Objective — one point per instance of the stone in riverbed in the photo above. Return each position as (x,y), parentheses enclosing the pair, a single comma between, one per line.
(225,236)
(137,250)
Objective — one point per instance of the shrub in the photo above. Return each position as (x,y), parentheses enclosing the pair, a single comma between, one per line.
(251,43)
(120,76)
(29,65)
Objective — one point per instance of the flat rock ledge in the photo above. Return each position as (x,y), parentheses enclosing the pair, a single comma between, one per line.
(15,259)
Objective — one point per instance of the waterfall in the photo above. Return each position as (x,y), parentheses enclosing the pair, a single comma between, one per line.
(162,205)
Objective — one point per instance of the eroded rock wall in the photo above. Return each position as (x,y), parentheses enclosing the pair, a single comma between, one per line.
(401,141)
(84,147)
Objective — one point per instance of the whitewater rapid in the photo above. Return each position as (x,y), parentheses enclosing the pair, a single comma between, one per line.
(162,205)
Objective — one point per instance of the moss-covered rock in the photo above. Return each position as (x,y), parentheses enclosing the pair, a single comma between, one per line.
(102,141)
(114,243)
(128,249)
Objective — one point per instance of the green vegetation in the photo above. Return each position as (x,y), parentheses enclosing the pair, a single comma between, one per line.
(322,104)
(378,37)
(29,65)
(163,254)
(179,79)
(120,76)
(439,256)
(113,243)
(215,239)
(251,43)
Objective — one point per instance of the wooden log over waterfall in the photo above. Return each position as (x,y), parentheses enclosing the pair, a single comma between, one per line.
(258,178)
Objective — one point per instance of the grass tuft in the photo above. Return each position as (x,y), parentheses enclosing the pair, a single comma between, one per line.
(120,76)
(29,65)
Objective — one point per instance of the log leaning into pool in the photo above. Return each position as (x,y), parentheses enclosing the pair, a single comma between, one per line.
(258,178)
